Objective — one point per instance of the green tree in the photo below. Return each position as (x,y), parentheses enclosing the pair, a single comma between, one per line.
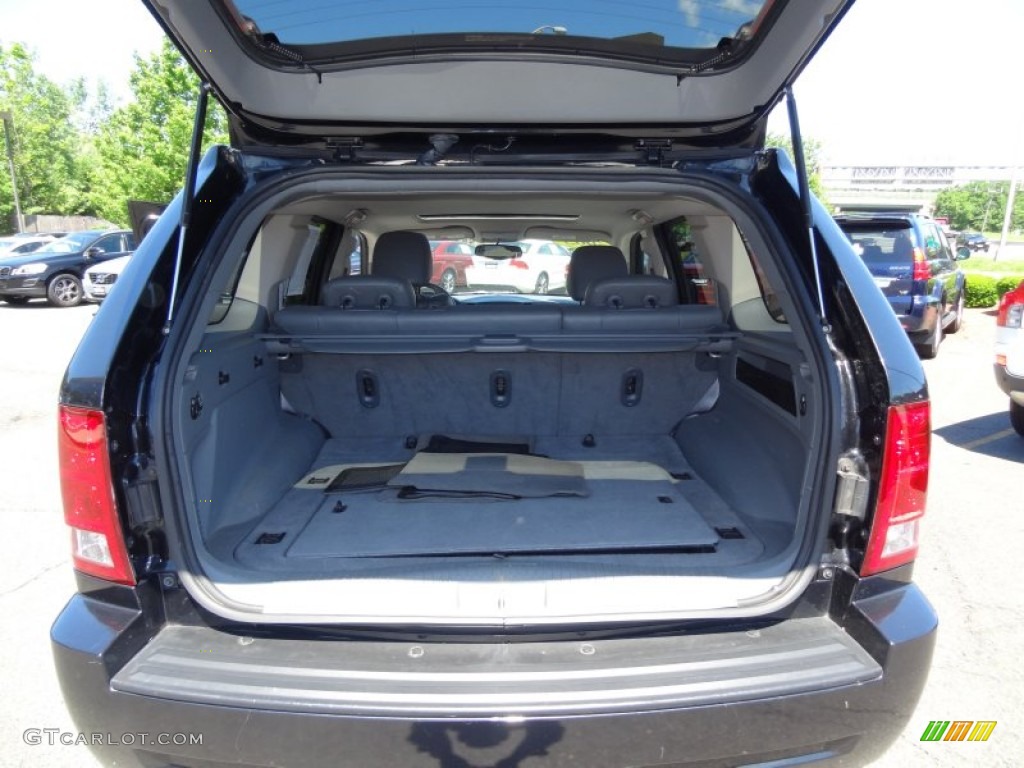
(979,205)
(812,159)
(45,141)
(141,149)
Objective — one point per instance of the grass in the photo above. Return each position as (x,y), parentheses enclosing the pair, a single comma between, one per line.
(983,264)
(1011,237)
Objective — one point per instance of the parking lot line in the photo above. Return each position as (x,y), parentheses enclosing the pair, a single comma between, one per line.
(987,439)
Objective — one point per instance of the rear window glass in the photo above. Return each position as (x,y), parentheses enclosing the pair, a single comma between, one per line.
(654,24)
(887,250)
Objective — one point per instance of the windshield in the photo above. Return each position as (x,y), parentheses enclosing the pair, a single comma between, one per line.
(539,269)
(73,243)
(675,23)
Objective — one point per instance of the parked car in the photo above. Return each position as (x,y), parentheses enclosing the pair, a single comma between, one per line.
(450,260)
(974,241)
(16,245)
(322,519)
(99,280)
(55,270)
(914,266)
(540,267)
(1009,365)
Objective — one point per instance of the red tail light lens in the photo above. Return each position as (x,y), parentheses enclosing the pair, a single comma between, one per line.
(1011,308)
(921,269)
(519,264)
(97,540)
(902,489)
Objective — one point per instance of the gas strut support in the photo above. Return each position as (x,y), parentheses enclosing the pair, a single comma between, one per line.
(188,195)
(805,199)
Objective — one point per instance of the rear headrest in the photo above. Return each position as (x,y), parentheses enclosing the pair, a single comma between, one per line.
(368,292)
(591,263)
(639,291)
(405,255)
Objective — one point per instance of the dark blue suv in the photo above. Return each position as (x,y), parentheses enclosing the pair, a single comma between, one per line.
(914,265)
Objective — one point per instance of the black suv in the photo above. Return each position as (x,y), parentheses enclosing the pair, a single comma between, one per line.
(914,265)
(974,241)
(54,272)
(322,518)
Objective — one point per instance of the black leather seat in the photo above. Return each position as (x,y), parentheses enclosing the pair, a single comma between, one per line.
(406,255)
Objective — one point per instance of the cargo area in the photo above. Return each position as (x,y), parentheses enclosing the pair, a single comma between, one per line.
(499,459)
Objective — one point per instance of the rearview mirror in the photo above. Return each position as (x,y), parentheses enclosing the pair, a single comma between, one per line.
(498,251)
(963,253)
(92,253)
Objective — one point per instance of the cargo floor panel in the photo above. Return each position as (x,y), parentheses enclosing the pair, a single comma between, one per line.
(606,499)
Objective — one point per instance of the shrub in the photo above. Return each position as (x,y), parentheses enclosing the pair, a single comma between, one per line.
(1006,284)
(981,291)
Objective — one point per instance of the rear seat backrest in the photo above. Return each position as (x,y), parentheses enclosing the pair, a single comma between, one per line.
(367,292)
(636,292)
(592,263)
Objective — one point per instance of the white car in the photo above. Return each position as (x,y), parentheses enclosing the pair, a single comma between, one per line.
(18,245)
(541,268)
(100,279)
(1009,365)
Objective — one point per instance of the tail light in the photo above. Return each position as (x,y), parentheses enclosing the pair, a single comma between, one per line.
(921,269)
(518,264)
(97,539)
(902,489)
(1011,308)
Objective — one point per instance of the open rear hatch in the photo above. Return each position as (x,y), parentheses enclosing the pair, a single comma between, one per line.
(306,72)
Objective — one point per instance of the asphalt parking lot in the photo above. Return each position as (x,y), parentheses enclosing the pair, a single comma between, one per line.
(967,568)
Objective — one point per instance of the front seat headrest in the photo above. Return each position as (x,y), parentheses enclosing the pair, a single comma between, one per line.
(591,263)
(405,255)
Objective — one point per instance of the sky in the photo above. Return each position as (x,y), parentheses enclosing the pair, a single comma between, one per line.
(899,82)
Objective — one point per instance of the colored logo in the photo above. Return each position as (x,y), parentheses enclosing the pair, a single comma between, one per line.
(958,730)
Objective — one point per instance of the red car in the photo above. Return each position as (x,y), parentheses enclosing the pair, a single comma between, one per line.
(450,261)
(1009,364)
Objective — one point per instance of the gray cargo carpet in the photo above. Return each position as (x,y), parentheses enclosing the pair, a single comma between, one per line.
(621,514)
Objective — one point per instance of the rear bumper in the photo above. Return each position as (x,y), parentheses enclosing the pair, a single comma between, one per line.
(802,691)
(1010,384)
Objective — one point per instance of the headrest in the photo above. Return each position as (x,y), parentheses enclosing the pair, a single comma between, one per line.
(367,292)
(639,291)
(591,263)
(405,255)
(902,248)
